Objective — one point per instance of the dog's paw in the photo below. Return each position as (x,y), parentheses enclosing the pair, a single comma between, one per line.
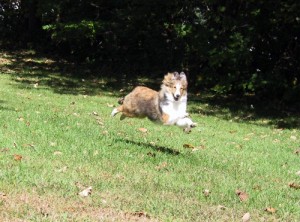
(193,125)
(186,115)
(189,127)
(187,130)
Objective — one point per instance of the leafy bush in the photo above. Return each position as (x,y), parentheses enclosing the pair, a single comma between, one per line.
(230,47)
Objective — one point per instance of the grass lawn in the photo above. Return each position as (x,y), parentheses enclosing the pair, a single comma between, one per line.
(57,139)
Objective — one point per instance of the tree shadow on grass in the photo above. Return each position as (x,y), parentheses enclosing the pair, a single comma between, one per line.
(247,109)
(34,71)
(162,149)
(1,105)
(4,107)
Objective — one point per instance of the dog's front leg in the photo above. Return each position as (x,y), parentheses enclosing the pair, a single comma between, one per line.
(186,123)
(185,115)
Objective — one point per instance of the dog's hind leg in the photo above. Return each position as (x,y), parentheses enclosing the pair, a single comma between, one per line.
(122,117)
(116,111)
(123,110)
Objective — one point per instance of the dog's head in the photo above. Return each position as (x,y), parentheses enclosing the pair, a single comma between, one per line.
(176,84)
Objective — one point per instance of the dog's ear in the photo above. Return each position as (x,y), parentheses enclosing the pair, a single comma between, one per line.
(182,76)
(168,78)
(176,74)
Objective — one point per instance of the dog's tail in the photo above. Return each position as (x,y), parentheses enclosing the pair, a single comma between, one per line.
(121,100)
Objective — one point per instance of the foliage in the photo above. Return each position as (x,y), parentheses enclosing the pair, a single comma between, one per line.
(228,46)
(255,45)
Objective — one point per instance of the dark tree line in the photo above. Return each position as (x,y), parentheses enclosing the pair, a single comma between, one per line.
(229,46)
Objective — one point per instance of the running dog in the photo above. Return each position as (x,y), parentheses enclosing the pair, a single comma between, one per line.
(167,106)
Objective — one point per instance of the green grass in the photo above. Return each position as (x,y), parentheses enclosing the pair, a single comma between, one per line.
(61,126)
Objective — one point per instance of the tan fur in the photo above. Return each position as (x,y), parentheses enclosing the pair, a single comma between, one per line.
(141,102)
(169,80)
(165,118)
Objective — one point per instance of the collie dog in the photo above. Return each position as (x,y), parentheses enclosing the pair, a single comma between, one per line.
(167,106)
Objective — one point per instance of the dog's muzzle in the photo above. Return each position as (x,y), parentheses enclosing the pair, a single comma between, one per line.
(176,97)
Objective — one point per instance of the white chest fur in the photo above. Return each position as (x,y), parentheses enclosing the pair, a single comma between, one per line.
(174,109)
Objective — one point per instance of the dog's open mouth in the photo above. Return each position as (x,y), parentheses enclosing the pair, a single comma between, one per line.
(176,98)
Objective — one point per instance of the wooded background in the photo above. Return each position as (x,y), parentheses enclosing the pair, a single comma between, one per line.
(236,47)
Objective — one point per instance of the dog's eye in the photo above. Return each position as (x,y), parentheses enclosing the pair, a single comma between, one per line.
(174,87)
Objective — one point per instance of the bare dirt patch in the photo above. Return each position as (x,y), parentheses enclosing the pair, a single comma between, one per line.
(17,207)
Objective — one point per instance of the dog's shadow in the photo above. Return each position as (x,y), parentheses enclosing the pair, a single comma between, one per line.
(157,148)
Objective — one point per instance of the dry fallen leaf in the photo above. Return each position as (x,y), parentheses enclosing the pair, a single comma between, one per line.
(141,214)
(257,187)
(297,151)
(293,138)
(270,210)
(52,143)
(20,119)
(201,147)
(95,113)
(151,154)
(186,145)
(56,153)
(206,192)
(18,157)
(110,105)
(152,143)
(86,192)
(76,114)
(221,207)
(79,185)
(161,166)
(143,130)
(263,136)
(100,122)
(4,150)
(29,145)
(62,170)
(105,132)
(246,217)
(239,146)
(294,186)
(242,195)
(2,195)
